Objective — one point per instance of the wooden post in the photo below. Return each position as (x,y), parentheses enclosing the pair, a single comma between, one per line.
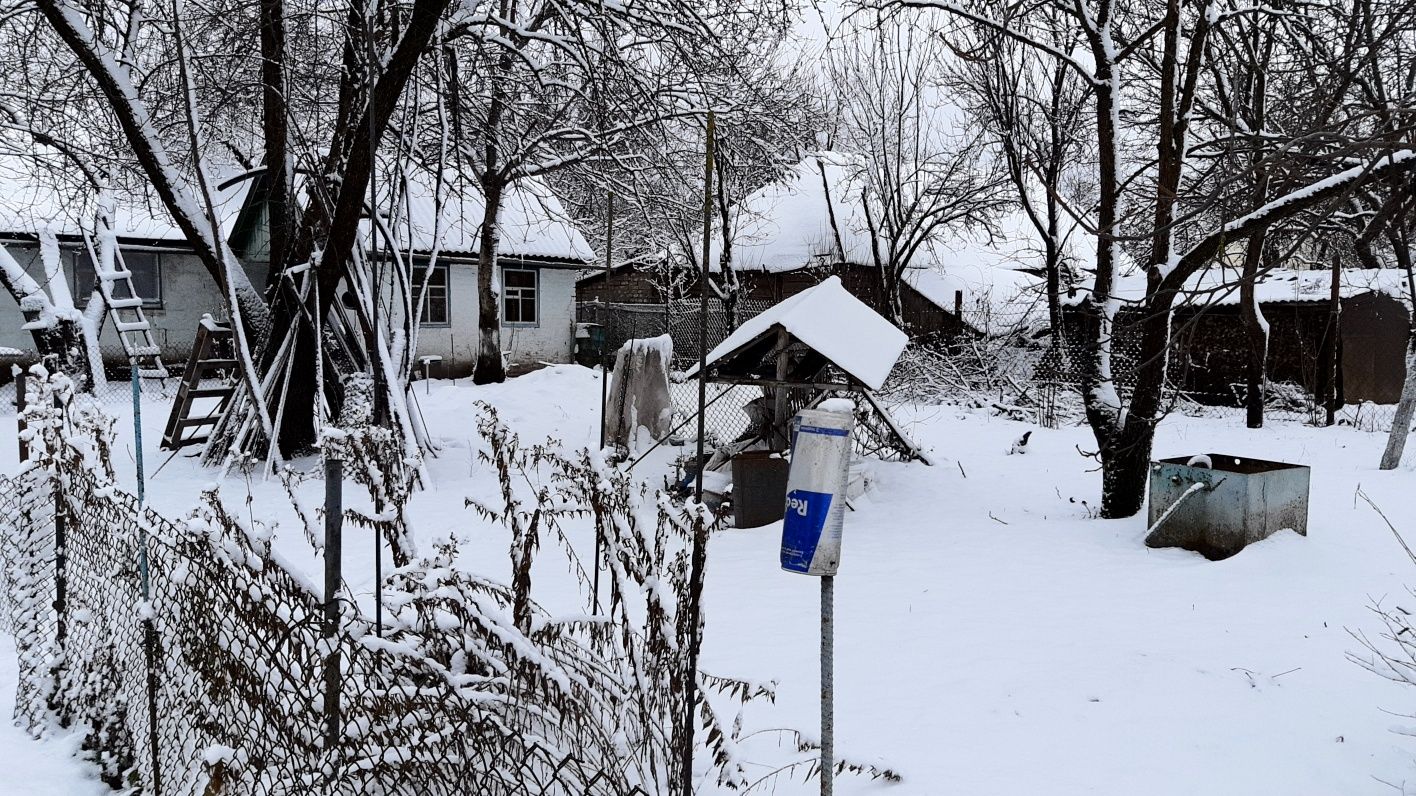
(1333,364)
(779,434)
(21,395)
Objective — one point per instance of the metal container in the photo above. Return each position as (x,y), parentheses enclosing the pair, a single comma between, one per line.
(759,488)
(1239,501)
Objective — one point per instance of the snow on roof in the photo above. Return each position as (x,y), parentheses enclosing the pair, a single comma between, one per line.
(786,226)
(1219,286)
(835,324)
(532,222)
(31,202)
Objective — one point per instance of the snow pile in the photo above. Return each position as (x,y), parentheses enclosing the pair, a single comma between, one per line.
(834,323)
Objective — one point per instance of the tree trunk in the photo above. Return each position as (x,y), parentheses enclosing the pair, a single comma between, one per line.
(1256,331)
(1125,468)
(489,369)
(1405,408)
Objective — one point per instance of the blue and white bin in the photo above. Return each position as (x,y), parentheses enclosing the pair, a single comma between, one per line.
(816,492)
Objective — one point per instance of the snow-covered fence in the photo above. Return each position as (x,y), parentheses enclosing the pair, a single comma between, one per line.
(237,676)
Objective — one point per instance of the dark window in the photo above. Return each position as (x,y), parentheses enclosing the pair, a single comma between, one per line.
(145,267)
(519,296)
(435,309)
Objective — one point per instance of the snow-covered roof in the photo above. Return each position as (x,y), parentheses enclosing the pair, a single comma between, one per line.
(833,323)
(532,222)
(786,226)
(31,201)
(1219,286)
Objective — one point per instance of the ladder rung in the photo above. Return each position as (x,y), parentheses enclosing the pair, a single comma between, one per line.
(180,442)
(153,373)
(209,392)
(134,326)
(125,303)
(192,422)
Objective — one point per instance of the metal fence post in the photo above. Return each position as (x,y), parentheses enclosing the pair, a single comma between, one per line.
(149,618)
(828,763)
(333,552)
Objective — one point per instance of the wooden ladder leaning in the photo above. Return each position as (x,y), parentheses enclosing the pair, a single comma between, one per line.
(212,353)
(132,324)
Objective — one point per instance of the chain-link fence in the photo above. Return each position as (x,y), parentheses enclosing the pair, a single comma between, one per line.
(679,319)
(114,388)
(193,662)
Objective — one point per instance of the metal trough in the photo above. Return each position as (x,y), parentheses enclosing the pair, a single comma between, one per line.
(1239,501)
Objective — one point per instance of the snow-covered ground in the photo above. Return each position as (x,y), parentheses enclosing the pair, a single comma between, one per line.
(992,637)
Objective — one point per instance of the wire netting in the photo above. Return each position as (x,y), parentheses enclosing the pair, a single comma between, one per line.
(222,691)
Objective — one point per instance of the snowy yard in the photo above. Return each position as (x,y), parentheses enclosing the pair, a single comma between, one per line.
(992,637)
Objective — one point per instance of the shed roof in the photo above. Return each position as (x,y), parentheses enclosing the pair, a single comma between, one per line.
(833,323)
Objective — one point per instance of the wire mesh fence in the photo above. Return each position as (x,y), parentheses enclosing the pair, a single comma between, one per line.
(679,319)
(192,661)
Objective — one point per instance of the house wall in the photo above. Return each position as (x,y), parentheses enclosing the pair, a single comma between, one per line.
(551,339)
(921,316)
(187,293)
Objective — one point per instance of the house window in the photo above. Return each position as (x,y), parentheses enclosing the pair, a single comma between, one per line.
(519,296)
(146,269)
(435,309)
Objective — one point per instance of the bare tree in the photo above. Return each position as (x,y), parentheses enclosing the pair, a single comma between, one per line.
(1151,64)
(1034,108)
(920,172)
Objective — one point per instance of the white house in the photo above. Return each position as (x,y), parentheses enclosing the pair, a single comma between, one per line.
(541,253)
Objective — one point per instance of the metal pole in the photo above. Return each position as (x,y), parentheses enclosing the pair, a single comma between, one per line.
(700,531)
(828,588)
(604,381)
(138,455)
(149,628)
(333,554)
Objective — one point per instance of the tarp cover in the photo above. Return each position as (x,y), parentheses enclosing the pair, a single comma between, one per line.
(835,324)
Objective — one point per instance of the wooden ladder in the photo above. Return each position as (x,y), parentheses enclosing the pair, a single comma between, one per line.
(134,330)
(213,352)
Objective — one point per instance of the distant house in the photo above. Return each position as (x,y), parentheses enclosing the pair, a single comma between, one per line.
(174,285)
(1209,347)
(785,242)
(541,254)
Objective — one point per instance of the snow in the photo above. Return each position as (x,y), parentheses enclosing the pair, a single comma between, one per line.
(532,221)
(992,636)
(1219,286)
(32,202)
(834,323)
(38,768)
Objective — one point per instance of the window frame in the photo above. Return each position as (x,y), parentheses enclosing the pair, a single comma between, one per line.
(419,267)
(535,289)
(81,294)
